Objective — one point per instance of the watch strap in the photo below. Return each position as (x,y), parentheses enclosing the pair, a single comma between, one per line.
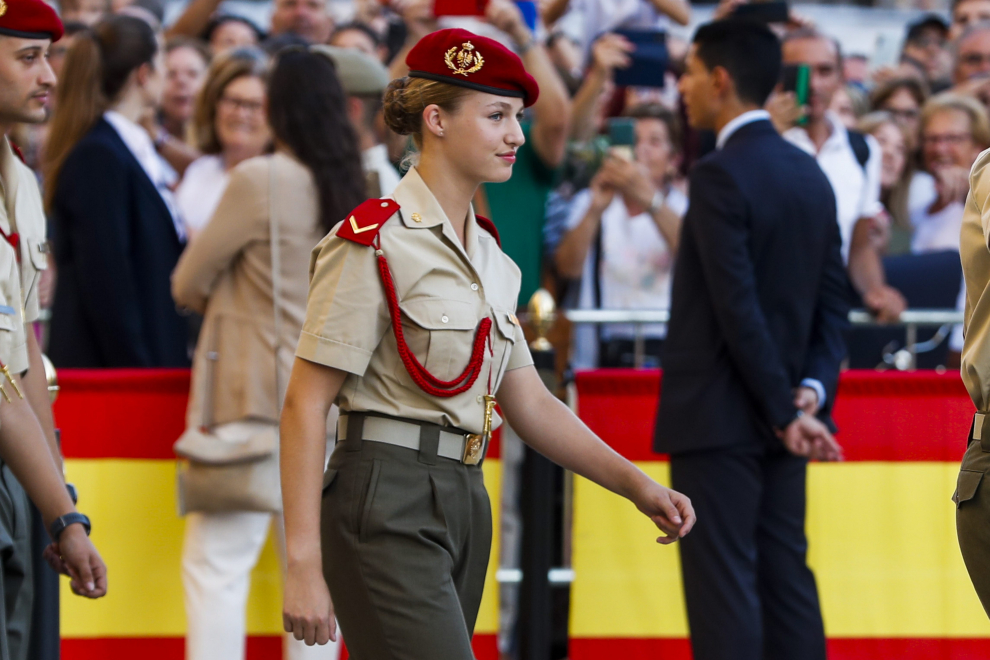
(62,522)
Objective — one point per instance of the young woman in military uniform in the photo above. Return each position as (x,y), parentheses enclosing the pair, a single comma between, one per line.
(411,329)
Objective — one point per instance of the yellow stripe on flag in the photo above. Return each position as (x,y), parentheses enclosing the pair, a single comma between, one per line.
(139,533)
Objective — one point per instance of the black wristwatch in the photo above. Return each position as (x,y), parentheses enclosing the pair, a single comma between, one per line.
(68,519)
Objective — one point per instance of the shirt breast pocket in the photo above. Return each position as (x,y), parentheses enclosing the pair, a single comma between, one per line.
(440,333)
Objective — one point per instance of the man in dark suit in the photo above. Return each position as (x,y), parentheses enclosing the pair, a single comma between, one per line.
(752,354)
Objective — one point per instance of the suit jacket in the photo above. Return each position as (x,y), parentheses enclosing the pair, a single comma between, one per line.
(759,296)
(115,248)
(226,274)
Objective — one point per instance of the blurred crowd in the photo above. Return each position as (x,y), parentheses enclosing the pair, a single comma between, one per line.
(594,207)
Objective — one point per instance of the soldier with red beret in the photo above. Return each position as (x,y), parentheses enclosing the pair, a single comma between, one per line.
(411,330)
(30,463)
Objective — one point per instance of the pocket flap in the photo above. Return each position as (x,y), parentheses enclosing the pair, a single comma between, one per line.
(8,317)
(440,314)
(506,323)
(39,254)
(204,447)
(968,483)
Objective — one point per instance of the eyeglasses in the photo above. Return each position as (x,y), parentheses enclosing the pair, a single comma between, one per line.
(232,103)
(906,114)
(950,139)
(975,59)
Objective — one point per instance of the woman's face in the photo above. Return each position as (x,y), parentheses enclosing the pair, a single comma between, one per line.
(894,150)
(481,137)
(185,71)
(653,148)
(240,118)
(842,105)
(154,81)
(232,34)
(906,111)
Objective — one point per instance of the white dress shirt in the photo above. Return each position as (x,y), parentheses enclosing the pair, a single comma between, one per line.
(857,189)
(375,159)
(200,191)
(162,176)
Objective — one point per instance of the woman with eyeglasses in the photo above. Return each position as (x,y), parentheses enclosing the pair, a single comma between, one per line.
(902,98)
(311,180)
(230,127)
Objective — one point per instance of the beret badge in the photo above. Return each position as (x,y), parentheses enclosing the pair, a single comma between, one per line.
(3,7)
(463,61)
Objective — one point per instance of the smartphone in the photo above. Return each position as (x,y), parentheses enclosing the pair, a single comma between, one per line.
(797,78)
(459,7)
(763,12)
(529,11)
(622,137)
(650,59)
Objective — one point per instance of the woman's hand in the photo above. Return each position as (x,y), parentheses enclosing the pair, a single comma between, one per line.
(76,556)
(308,611)
(669,510)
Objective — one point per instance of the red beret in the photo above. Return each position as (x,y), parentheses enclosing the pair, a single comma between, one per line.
(29,19)
(462,58)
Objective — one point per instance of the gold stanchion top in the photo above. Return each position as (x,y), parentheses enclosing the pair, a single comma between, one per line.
(51,376)
(542,314)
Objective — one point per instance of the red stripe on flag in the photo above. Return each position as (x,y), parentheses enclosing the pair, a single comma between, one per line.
(882,416)
(129,413)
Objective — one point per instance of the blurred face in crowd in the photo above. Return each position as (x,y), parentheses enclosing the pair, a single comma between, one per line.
(701,90)
(230,35)
(906,111)
(481,137)
(842,105)
(855,69)
(185,71)
(967,13)
(654,148)
(973,57)
(150,79)
(309,19)
(26,80)
(822,56)
(947,141)
(929,49)
(894,148)
(357,40)
(86,12)
(57,52)
(240,120)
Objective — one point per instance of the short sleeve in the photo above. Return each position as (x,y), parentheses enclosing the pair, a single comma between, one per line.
(346,313)
(520,356)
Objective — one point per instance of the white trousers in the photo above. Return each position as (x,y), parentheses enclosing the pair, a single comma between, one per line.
(218,553)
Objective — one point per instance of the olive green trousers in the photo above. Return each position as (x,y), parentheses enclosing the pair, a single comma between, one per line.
(972,499)
(16,564)
(406,538)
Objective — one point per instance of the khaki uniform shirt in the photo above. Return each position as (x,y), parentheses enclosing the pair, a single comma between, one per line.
(974,249)
(21,212)
(444,291)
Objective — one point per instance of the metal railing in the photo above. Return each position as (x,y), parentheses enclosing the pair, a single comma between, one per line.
(910,320)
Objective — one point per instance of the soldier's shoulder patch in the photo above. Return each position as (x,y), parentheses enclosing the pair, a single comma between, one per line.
(363,223)
(488,226)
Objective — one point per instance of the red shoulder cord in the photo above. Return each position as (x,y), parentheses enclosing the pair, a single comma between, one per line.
(423,378)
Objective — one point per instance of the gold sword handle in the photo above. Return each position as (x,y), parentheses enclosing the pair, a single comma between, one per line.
(6,372)
(4,393)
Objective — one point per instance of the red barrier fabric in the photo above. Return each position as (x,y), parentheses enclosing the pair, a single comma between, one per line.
(129,413)
(882,416)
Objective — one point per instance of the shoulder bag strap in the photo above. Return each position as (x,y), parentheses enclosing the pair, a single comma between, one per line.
(276,277)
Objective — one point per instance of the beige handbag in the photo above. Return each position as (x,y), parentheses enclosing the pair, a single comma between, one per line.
(220,474)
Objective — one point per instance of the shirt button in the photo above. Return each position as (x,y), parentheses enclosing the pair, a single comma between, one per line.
(444,319)
(384,205)
(481,399)
(474,287)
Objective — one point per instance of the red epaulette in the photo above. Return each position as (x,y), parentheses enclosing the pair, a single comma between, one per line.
(363,223)
(488,226)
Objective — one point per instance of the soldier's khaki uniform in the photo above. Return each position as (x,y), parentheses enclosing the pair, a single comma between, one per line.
(21,212)
(406,532)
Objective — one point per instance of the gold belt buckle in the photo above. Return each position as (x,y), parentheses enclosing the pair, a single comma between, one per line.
(474,448)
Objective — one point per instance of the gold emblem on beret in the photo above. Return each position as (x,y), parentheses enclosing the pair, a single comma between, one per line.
(3,7)
(468,60)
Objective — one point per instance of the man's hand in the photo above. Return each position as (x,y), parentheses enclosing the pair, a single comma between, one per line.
(610,52)
(418,17)
(885,302)
(669,510)
(808,437)
(806,399)
(602,194)
(74,555)
(630,179)
(784,110)
(505,16)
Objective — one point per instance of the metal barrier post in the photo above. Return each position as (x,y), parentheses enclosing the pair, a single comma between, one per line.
(542,630)
(639,350)
(911,339)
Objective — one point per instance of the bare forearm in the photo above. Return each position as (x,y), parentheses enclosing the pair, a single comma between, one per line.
(585,105)
(669,224)
(865,262)
(23,448)
(678,10)
(178,154)
(552,429)
(194,19)
(35,384)
(552,110)
(554,10)
(573,249)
